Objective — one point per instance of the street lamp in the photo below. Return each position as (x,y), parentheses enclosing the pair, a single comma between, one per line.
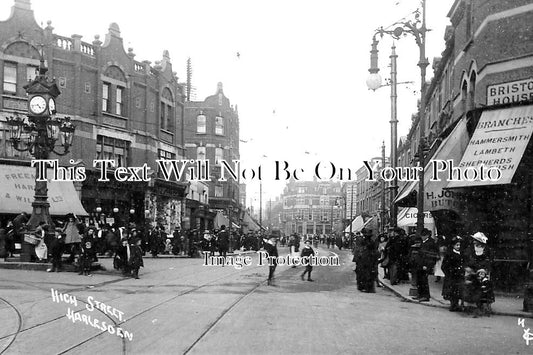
(38,133)
(418,29)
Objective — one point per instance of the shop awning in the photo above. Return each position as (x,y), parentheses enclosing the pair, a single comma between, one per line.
(357,225)
(250,224)
(435,195)
(500,140)
(407,217)
(17,190)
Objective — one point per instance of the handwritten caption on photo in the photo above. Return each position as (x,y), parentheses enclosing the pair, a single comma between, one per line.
(88,319)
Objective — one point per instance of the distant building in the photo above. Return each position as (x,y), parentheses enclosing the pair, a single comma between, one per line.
(311,207)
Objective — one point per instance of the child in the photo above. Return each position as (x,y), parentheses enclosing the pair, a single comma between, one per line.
(486,292)
(136,257)
(56,250)
(454,275)
(306,252)
(87,252)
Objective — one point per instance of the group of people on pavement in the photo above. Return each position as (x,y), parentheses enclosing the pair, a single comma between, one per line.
(464,263)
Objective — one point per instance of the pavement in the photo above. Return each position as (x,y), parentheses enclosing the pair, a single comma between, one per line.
(506,305)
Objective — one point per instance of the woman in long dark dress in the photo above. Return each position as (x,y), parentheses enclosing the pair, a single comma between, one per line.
(478,291)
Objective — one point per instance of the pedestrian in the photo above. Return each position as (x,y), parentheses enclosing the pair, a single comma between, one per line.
(136,258)
(122,257)
(41,249)
(394,254)
(272,250)
(427,257)
(441,243)
(307,251)
(366,262)
(88,252)
(156,239)
(56,250)
(453,268)
(478,288)
(223,241)
(72,238)
(383,255)
(339,242)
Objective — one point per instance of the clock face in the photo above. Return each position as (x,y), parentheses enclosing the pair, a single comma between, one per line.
(51,106)
(37,105)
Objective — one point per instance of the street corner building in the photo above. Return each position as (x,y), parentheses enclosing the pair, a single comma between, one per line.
(479,111)
(126,110)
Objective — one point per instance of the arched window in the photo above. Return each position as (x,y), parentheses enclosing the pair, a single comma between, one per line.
(472,92)
(464,95)
(167,110)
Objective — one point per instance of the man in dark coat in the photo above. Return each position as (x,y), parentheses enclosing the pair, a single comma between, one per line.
(394,252)
(307,251)
(366,262)
(136,257)
(223,241)
(56,250)
(427,257)
(272,250)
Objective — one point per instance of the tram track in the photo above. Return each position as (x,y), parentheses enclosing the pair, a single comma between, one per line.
(210,326)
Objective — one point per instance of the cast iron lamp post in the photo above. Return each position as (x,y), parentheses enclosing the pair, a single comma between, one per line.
(38,132)
(418,29)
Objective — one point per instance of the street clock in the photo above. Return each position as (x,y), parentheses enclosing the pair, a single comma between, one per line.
(37,105)
(41,94)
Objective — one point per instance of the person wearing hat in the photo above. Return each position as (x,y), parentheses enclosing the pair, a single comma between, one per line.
(88,251)
(366,263)
(272,250)
(223,241)
(424,264)
(453,268)
(307,251)
(478,257)
(56,250)
(136,257)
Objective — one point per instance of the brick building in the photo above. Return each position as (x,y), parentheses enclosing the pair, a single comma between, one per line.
(123,109)
(478,109)
(311,207)
(212,133)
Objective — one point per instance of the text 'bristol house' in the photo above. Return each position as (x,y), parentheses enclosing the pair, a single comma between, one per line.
(480,111)
(124,110)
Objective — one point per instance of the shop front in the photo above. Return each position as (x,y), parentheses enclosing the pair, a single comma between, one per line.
(444,206)
(501,208)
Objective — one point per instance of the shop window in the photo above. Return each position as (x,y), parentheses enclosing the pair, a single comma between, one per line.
(112,149)
(10,78)
(105,97)
(219,125)
(219,191)
(201,124)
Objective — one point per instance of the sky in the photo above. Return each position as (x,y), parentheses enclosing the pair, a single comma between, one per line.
(299,81)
